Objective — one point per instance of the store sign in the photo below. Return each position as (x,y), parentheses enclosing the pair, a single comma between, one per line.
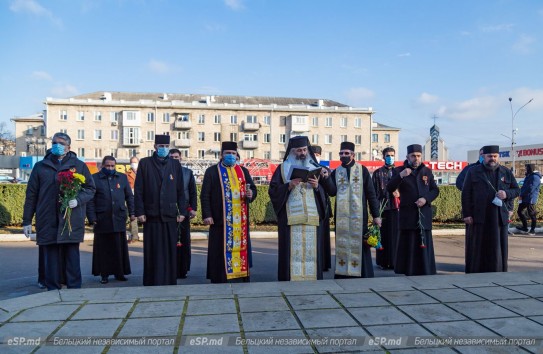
(446,165)
(530,152)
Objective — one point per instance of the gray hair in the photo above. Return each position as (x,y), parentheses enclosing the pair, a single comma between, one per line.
(63,136)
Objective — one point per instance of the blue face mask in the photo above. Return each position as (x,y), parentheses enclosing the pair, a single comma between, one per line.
(163,151)
(481,159)
(57,149)
(107,171)
(229,160)
(389,160)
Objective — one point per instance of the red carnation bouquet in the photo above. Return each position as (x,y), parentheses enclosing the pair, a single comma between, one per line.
(70,183)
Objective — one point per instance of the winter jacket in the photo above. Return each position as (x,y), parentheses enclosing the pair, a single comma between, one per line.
(530,188)
(43,200)
(111,204)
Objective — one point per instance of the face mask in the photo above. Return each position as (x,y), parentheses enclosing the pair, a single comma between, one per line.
(318,159)
(134,166)
(481,159)
(229,160)
(389,160)
(345,160)
(108,172)
(163,151)
(57,149)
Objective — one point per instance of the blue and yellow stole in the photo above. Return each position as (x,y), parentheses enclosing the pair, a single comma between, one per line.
(234,199)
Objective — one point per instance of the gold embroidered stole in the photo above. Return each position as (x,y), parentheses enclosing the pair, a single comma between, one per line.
(303,219)
(349,218)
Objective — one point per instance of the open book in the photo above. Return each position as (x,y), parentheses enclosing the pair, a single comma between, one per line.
(304,172)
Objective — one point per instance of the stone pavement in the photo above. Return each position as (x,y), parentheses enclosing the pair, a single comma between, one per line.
(424,314)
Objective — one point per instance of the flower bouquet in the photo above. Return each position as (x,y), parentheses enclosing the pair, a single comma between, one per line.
(70,183)
(373,236)
(421,227)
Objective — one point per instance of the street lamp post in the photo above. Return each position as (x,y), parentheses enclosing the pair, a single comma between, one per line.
(513,131)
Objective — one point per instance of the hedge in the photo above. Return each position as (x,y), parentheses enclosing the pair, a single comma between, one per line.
(447,207)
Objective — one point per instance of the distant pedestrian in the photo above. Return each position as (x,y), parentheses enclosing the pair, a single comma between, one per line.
(131,175)
(108,211)
(462,176)
(529,193)
(60,233)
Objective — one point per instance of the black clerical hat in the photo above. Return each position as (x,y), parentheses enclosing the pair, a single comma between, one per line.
(162,139)
(229,145)
(491,149)
(346,145)
(414,148)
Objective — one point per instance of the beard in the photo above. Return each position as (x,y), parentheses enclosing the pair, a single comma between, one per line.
(301,157)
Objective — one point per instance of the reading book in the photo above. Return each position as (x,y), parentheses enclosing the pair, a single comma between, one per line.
(304,172)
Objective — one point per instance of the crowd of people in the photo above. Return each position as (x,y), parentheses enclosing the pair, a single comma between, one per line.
(160,194)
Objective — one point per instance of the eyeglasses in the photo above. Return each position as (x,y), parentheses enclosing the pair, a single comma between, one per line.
(389,155)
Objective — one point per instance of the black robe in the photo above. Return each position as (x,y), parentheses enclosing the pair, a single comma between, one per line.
(369,198)
(486,238)
(389,227)
(279,193)
(211,202)
(325,230)
(411,257)
(184,242)
(159,195)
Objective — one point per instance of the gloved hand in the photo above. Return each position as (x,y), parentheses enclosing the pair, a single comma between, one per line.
(72,203)
(27,230)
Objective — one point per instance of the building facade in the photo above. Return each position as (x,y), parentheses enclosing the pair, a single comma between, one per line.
(523,155)
(124,124)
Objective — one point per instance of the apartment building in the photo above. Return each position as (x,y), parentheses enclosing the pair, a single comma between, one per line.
(124,124)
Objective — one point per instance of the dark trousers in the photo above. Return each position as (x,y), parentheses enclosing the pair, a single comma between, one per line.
(41,265)
(532,213)
(62,264)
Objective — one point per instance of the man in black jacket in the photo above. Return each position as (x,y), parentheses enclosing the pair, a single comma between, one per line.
(462,176)
(60,240)
(159,200)
(417,187)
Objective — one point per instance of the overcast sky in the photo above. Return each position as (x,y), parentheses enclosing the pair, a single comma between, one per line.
(409,60)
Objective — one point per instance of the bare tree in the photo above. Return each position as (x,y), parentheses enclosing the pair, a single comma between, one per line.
(7,140)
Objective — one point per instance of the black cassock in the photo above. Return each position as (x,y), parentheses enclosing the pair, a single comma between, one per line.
(279,193)
(211,203)
(159,196)
(184,242)
(486,238)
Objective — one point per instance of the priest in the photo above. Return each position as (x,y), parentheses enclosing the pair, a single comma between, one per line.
(227,191)
(300,207)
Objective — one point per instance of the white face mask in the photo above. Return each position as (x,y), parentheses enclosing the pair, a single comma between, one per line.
(134,166)
(318,159)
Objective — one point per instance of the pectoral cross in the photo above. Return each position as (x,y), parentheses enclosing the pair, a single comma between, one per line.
(354,264)
(355,179)
(342,180)
(341,262)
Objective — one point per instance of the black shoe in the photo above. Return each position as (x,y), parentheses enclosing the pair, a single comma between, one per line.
(531,232)
(121,278)
(522,229)
(41,285)
(104,280)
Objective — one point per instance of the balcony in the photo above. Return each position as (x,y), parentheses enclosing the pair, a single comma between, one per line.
(250,126)
(182,124)
(247,144)
(182,143)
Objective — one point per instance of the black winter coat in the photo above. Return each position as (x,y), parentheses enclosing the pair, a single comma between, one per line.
(419,184)
(159,190)
(111,204)
(42,199)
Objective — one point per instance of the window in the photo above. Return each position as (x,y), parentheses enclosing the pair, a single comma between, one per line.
(114,135)
(113,152)
(132,152)
(166,117)
(267,138)
(328,122)
(252,119)
(358,122)
(201,154)
(151,135)
(282,121)
(216,136)
(358,156)
(202,119)
(150,117)
(97,153)
(267,120)
(81,152)
(216,155)
(80,116)
(282,138)
(63,115)
(97,134)
(267,155)
(184,153)
(387,138)
(315,139)
(131,136)
(201,136)
(183,135)
(65,131)
(328,138)
(42,130)
(358,139)
(375,138)
(315,121)
(114,116)
(343,138)
(233,136)
(80,134)
(300,119)
(328,156)
(250,154)
(250,137)
(150,152)
(233,119)
(29,130)
(183,117)
(97,116)
(343,122)
(217,119)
